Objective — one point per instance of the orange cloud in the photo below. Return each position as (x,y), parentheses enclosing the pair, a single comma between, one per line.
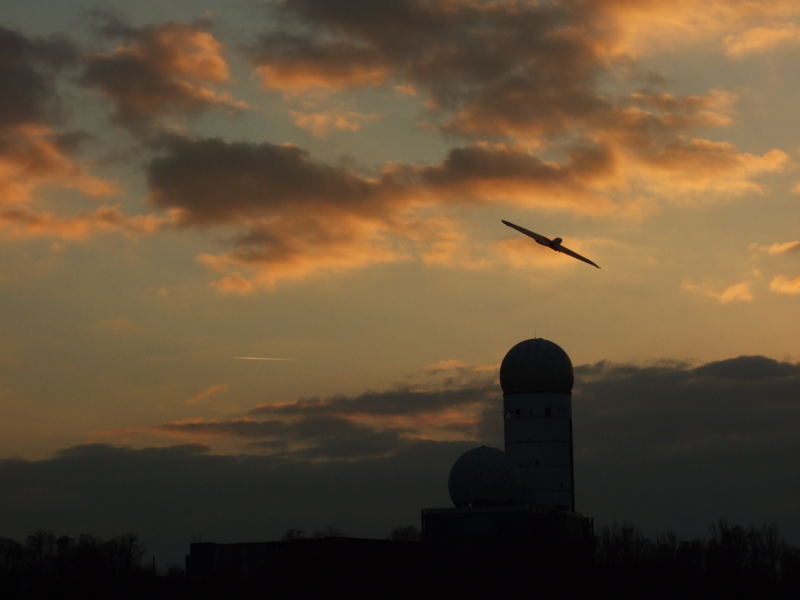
(436,240)
(484,79)
(785,285)
(738,292)
(186,50)
(321,124)
(405,89)
(36,159)
(31,158)
(449,425)
(446,401)
(297,76)
(650,25)
(163,70)
(207,393)
(284,202)
(777,248)
(700,165)
(554,115)
(302,259)
(32,162)
(21,223)
(230,284)
(450,364)
(762,39)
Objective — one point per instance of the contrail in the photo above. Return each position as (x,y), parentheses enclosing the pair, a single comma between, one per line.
(259,358)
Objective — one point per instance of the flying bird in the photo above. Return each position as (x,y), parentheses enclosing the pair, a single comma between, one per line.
(554,244)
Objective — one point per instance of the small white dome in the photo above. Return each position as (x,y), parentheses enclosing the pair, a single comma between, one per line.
(484,477)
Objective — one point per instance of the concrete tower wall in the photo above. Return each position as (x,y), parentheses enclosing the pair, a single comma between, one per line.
(538,439)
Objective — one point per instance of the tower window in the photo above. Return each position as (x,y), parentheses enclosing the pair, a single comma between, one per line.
(548,412)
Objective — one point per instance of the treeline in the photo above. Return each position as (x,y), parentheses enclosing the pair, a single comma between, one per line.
(731,561)
(44,555)
(45,564)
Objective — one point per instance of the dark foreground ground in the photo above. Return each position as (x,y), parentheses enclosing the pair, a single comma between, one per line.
(732,562)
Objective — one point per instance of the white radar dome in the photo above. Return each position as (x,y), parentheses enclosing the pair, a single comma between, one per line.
(536,365)
(484,477)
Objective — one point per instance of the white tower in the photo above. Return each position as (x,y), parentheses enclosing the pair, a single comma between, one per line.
(536,377)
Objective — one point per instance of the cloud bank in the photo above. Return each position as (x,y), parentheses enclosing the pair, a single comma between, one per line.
(667,445)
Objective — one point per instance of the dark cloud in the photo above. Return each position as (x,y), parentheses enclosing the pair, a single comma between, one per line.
(28,68)
(667,445)
(291,60)
(675,446)
(173,496)
(538,60)
(159,70)
(553,119)
(403,402)
(214,181)
(499,68)
(549,74)
(238,427)
(668,407)
(449,404)
(448,45)
(96,450)
(664,446)
(284,202)
(752,369)
(742,403)
(295,216)
(512,174)
(358,443)
(317,437)
(35,156)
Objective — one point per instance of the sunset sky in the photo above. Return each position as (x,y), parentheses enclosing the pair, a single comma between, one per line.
(186,184)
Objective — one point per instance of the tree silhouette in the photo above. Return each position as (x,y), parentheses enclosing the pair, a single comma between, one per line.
(407,533)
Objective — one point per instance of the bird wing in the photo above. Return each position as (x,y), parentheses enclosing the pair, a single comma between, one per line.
(576,255)
(539,238)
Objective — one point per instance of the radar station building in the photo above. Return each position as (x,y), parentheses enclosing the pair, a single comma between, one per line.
(536,378)
(513,508)
(522,498)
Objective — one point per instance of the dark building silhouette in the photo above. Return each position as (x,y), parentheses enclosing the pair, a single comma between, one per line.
(512,506)
(521,501)
(324,554)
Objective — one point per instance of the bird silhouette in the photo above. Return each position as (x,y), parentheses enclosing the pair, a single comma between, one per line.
(554,244)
